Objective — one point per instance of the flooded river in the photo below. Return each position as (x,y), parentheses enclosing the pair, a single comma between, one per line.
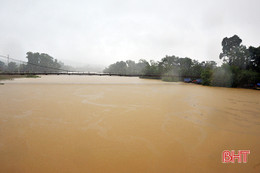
(120,124)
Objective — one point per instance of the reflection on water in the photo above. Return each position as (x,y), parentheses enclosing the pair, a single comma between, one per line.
(120,124)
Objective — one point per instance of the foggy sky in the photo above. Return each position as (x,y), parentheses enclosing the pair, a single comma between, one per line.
(105,31)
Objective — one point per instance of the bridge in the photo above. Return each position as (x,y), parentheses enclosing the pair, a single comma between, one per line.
(149,76)
(59,71)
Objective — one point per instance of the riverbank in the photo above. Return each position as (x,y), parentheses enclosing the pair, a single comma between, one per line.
(177,79)
(11,77)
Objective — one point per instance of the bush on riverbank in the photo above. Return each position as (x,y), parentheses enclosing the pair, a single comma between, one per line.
(206,76)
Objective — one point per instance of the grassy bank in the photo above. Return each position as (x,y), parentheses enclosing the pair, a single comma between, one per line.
(10,77)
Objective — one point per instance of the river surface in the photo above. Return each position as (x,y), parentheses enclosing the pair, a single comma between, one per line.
(125,124)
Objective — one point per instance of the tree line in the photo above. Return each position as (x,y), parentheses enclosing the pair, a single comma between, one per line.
(240,68)
(36,62)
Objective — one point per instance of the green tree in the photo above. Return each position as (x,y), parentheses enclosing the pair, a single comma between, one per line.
(128,67)
(131,67)
(185,66)
(140,66)
(254,58)
(222,76)
(234,53)
(42,63)
(119,67)
(152,69)
(168,63)
(246,78)
(206,76)
(12,67)
(2,66)
(196,68)
(33,61)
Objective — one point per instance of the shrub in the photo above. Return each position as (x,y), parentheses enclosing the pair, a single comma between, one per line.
(206,76)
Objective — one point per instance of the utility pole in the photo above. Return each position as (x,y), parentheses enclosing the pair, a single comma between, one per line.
(7,60)
(19,65)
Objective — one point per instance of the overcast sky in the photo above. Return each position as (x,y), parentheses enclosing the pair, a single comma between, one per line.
(105,31)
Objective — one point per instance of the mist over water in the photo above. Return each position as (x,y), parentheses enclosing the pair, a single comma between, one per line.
(124,124)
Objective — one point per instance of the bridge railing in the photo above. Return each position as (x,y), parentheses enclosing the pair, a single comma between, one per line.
(98,74)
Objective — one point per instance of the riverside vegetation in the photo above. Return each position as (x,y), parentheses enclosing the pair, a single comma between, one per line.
(240,68)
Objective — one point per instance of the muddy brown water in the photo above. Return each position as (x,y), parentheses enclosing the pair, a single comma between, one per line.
(123,124)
